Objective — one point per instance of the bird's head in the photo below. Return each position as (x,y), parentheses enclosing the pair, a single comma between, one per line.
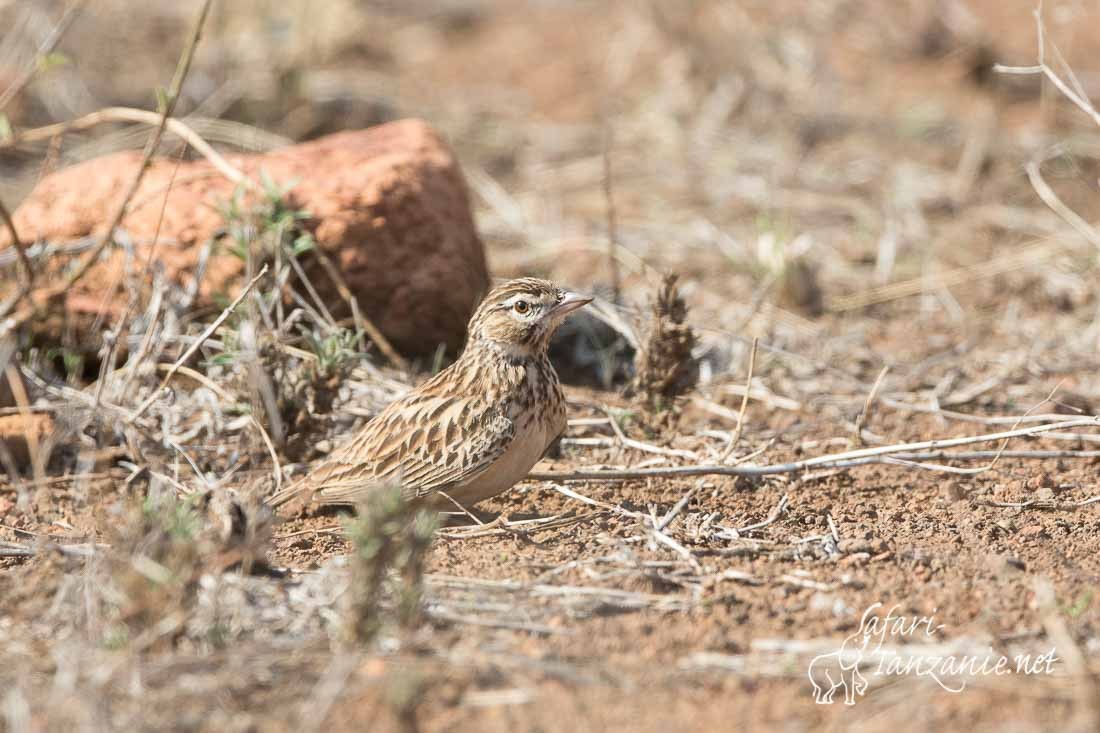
(521,315)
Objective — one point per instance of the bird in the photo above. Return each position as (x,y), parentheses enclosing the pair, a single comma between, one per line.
(473,430)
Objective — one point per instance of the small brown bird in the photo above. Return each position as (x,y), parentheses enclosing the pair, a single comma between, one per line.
(473,430)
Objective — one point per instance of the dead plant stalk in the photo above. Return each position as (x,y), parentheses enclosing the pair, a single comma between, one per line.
(847,459)
(745,397)
(128,114)
(195,345)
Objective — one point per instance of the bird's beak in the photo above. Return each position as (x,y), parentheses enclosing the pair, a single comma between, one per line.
(570,303)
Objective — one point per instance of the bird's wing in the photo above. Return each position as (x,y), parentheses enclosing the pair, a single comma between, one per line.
(424,443)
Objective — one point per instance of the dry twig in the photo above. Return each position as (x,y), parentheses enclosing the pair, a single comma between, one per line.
(862,417)
(1079,100)
(129,114)
(849,459)
(362,322)
(744,401)
(195,346)
(20,249)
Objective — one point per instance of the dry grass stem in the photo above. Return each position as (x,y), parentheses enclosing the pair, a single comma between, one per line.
(196,345)
(744,401)
(915,451)
(1079,100)
(862,417)
(1071,217)
(362,322)
(20,249)
(129,114)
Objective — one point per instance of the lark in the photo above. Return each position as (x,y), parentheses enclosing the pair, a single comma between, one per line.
(472,431)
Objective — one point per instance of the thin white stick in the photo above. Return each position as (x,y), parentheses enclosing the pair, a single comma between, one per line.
(1071,217)
(129,114)
(863,456)
(646,447)
(195,346)
(276,468)
(744,401)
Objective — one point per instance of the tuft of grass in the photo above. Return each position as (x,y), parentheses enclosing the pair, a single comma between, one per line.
(163,546)
(390,540)
(335,351)
(1080,605)
(71,359)
(290,394)
(665,367)
(176,518)
(262,227)
(156,561)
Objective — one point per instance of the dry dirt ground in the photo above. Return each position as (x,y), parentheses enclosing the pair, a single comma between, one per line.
(845,182)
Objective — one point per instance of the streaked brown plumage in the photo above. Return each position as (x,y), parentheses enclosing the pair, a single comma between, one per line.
(474,429)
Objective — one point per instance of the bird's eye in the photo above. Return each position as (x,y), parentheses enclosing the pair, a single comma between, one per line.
(522,306)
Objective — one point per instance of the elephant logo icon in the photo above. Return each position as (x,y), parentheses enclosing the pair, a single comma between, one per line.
(832,671)
(829,672)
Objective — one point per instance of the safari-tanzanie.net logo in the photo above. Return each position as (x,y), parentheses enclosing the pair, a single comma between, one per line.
(897,645)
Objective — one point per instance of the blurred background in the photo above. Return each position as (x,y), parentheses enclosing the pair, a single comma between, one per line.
(806,152)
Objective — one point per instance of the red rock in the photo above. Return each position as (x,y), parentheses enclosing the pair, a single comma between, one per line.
(15,431)
(388,204)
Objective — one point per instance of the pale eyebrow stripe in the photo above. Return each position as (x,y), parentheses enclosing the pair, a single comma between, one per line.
(531,298)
